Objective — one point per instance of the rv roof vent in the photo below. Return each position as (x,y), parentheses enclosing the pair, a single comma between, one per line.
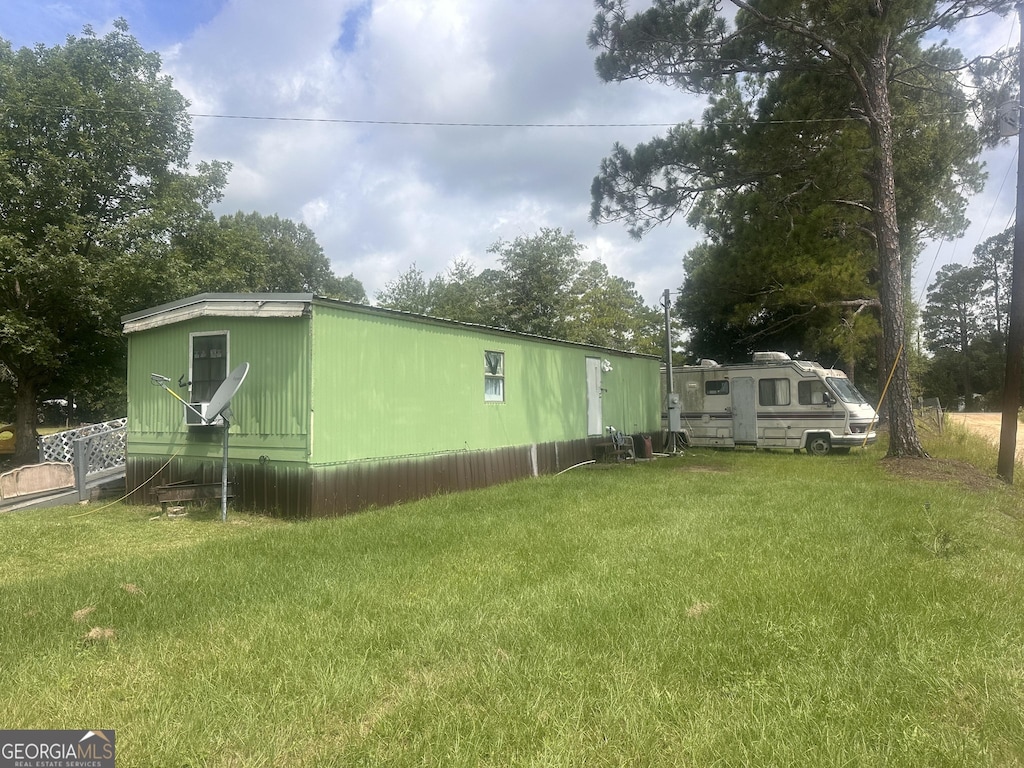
(808,365)
(770,357)
(707,362)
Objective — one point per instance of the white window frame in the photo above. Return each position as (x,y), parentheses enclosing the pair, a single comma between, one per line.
(494,378)
(191,359)
(806,390)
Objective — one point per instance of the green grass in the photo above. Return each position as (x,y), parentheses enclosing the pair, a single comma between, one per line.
(723,608)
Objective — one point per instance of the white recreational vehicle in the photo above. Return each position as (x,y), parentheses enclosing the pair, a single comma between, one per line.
(774,402)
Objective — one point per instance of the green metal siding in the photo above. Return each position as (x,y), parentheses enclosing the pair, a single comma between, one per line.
(387,385)
(632,401)
(352,406)
(270,411)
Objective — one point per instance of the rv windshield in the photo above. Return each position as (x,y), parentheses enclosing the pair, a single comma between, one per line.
(846,391)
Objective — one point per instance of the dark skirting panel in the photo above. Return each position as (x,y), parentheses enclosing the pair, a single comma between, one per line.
(292,490)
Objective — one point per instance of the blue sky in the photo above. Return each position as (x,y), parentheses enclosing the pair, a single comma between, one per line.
(155,24)
(380,197)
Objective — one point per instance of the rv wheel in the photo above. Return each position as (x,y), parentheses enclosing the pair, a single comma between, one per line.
(819,445)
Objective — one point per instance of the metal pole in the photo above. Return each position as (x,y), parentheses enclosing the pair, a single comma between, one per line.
(1015,324)
(670,446)
(224,476)
(668,343)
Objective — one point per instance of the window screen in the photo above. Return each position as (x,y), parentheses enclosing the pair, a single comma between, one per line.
(209,365)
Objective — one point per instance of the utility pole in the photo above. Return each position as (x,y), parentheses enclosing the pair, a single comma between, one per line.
(671,399)
(1015,323)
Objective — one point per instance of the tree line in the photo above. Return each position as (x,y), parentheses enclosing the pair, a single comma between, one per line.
(963,326)
(541,286)
(837,137)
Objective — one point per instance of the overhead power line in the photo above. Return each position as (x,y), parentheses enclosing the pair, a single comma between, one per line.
(449,124)
(429,123)
(481,124)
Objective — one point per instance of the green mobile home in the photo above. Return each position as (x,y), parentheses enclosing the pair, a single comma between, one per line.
(347,406)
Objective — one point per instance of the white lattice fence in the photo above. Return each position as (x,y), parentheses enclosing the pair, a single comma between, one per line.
(103,444)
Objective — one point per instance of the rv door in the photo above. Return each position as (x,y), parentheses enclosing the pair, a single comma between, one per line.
(744,411)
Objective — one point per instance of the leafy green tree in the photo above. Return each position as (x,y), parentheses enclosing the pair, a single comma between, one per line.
(950,320)
(988,367)
(543,287)
(461,294)
(94,180)
(535,293)
(607,311)
(252,252)
(457,294)
(546,288)
(347,288)
(943,379)
(407,292)
(859,56)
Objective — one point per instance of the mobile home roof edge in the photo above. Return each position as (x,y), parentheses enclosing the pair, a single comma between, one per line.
(298,304)
(219,305)
(441,321)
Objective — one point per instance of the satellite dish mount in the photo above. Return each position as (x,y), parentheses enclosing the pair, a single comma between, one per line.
(219,406)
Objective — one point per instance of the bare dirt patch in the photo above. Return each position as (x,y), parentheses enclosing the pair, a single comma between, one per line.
(941,470)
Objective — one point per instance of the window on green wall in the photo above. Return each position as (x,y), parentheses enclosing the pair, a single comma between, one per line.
(494,377)
(209,364)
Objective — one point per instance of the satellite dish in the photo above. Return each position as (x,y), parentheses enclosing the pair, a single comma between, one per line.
(222,397)
(219,404)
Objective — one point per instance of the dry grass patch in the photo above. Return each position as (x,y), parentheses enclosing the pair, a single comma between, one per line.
(99,635)
(698,609)
(81,614)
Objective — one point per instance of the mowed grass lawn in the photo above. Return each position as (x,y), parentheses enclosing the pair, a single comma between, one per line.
(723,608)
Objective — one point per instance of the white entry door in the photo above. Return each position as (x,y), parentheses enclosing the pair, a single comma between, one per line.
(744,412)
(595,420)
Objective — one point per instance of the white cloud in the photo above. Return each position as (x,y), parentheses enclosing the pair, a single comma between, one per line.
(380,197)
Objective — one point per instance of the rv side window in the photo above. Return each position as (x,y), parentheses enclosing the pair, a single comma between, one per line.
(209,364)
(773,392)
(716,387)
(811,392)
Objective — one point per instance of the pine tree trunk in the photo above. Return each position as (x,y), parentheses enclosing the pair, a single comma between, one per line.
(903,439)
